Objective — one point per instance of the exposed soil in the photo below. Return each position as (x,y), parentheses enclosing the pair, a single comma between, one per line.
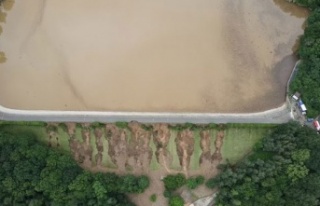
(117,139)
(209,162)
(139,151)
(71,127)
(205,158)
(82,151)
(185,147)
(129,148)
(217,157)
(161,136)
(86,147)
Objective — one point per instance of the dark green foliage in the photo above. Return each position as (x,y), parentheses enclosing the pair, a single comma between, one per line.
(289,176)
(210,126)
(312,4)
(97,125)
(153,198)
(122,125)
(173,182)
(146,127)
(64,127)
(132,184)
(23,123)
(307,78)
(176,201)
(180,127)
(33,174)
(194,182)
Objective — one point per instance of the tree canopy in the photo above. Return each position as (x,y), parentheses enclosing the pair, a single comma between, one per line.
(34,174)
(284,169)
(307,78)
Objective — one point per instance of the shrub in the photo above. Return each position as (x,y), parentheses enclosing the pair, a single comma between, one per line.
(153,198)
(122,125)
(173,182)
(194,182)
(167,193)
(176,201)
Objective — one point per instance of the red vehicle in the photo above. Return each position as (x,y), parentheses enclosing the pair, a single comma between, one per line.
(316,125)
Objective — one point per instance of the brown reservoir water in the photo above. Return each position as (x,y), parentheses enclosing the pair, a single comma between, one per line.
(156,56)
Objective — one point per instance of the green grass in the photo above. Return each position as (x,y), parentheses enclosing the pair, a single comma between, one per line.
(213,135)
(93,145)
(63,139)
(239,141)
(154,165)
(194,160)
(40,133)
(172,148)
(78,134)
(106,159)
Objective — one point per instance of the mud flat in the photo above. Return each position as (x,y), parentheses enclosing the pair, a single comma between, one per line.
(156,56)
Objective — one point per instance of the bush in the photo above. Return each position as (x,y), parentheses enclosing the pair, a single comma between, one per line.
(153,198)
(176,201)
(212,183)
(167,193)
(173,182)
(194,182)
(122,125)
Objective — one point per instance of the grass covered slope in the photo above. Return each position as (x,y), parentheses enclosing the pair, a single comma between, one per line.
(307,80)
(283,170)
(237,142)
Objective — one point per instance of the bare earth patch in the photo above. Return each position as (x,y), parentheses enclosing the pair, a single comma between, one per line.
(118,146)
(161,136)
(185,144)
(130,150)
(139,151)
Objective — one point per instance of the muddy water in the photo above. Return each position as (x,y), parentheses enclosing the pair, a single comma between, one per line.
(181,55)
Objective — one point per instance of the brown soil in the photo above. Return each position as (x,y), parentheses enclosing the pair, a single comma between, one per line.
(82,151)
(129,149)
(117,139)
(185,147)
(71,127)
(205,158)
(76,147)
(86,147)
(161,136)
(139,151)
(209,163)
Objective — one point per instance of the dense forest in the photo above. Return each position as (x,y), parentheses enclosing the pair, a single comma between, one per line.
(34,174)
(312,4)
(284,169)
(308,76)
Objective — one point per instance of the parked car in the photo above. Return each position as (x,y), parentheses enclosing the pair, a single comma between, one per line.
(316,125)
